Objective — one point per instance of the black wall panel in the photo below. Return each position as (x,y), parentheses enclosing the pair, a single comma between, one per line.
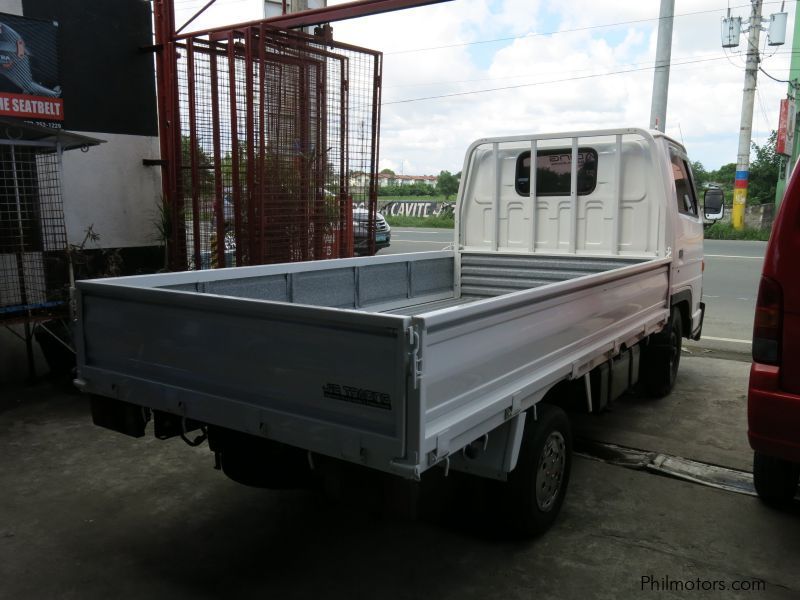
(108,83)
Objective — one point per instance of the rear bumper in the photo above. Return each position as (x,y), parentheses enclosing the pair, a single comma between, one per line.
(362,243)
(385,242)
(773,416)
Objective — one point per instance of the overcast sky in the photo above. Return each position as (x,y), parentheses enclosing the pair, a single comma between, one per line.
(569,65)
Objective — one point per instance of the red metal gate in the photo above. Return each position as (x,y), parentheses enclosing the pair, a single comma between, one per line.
(272,127)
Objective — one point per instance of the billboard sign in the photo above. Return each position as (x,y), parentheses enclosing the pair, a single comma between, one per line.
(29,75)
(785,139)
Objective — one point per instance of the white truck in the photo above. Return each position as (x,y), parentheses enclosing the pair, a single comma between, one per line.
(582,273)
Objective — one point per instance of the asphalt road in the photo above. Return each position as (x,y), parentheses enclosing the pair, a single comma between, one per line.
(412,239)
(732,273)
(730,288)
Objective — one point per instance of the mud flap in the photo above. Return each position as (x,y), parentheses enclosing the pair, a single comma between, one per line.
(696,334)
(119,416)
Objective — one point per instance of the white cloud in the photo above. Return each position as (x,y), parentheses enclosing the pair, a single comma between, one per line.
(608,73)
(705,88)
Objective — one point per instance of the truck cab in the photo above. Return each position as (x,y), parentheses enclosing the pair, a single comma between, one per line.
(632,194)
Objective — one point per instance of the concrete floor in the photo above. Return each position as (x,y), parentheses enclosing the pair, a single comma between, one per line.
(705,417)
(86,513)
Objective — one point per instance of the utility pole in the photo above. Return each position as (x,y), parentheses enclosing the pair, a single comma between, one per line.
(658,108)
(746,127)
(794,81)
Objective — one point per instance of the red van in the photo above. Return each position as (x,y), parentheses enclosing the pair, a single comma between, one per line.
(773,400)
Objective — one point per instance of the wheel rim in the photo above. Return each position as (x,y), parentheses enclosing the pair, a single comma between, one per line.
(550,472)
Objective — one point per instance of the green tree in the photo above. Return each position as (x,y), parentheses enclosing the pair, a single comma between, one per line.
(205,169)
(764,169)
(415,189)
(724,175)
(701,176)
(226,164)
(387,172)
(447,184)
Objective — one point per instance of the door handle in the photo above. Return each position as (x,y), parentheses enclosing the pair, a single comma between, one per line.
(680,253)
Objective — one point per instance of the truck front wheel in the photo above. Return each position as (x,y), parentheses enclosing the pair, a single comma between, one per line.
(775,479)
(538,484)
(661,358)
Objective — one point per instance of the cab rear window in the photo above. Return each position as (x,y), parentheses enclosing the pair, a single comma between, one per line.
(553,172)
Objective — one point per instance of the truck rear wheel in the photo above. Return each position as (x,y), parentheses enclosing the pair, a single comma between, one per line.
(775,479)
(661,358)
(537,486)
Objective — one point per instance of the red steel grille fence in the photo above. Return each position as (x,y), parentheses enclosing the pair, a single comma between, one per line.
(278,139)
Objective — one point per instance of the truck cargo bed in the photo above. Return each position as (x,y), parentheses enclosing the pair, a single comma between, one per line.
(408,284)
(389,361)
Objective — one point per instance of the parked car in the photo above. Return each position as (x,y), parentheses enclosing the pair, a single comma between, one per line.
(773,399)
(383,233)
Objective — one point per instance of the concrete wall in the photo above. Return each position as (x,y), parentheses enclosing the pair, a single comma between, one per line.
(108,186)
(756,216)
(274,8)
(11,7)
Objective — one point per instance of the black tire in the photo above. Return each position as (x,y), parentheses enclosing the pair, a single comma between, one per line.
(775,479)
(661,358)
(259,462)
(544,465)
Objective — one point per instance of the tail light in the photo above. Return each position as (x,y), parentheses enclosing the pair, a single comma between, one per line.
(768,322)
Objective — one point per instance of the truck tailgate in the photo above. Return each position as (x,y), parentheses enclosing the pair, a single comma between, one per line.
(328,380)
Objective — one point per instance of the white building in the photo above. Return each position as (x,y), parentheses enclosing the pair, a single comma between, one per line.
(389,179)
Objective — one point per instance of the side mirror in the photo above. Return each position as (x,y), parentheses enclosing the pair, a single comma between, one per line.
(713,204)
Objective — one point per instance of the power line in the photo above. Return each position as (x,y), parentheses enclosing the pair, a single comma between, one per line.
(763,110)
(775,78)
(559,31)
(523,85)
(701,56)
(634,64)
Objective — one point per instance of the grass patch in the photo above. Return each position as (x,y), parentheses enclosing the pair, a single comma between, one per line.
(725,231)
(404,221)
